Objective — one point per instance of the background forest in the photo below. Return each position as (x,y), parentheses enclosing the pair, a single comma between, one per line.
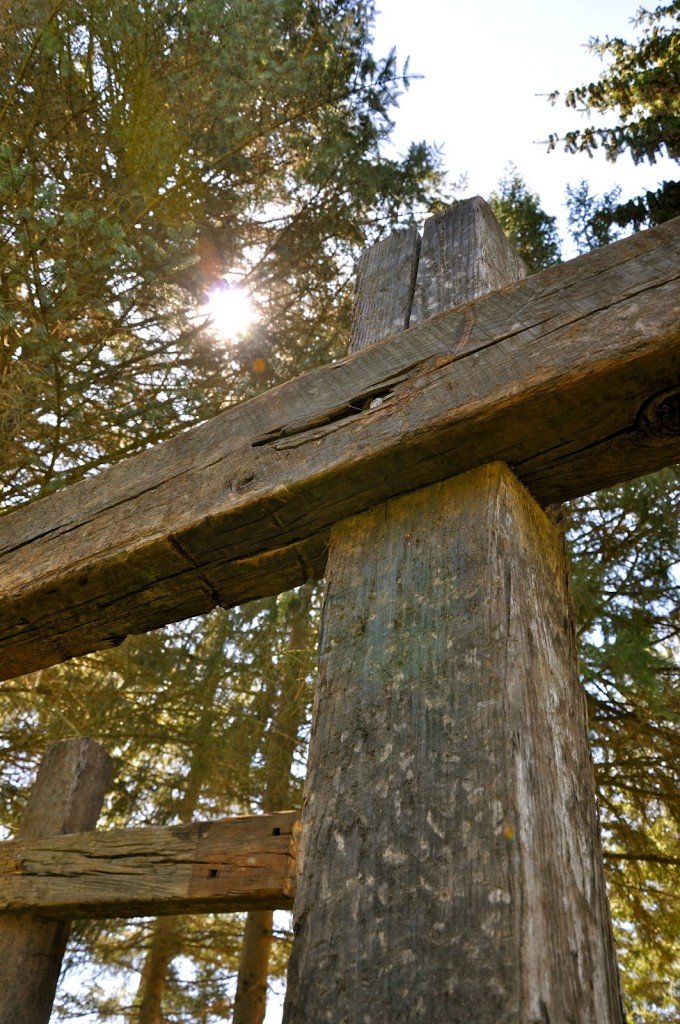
(151,149)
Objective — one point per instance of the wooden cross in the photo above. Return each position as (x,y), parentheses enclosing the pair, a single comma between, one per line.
(450,863)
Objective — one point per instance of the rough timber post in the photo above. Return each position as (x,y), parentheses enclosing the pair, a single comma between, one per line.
(450,864)
(66,797)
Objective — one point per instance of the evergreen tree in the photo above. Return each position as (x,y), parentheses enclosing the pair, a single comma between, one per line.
(529,228)
(640,89)
(150,150)
(205,719)
(592,218)
(624,544)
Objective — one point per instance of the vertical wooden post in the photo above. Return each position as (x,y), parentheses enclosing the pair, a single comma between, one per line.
(66,797)
(450,861)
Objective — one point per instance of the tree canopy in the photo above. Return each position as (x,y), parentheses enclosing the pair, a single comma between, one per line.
(149,151)
(638,93)
(624,543)
(532,231)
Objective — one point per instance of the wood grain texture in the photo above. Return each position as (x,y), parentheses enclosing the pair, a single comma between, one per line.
(387,273)
(66,796)
(69,789)
(207,867)
(450,860)
(464,254)
(450,867)
(570,376)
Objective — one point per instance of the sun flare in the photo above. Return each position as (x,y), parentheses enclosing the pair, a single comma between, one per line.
(229,311)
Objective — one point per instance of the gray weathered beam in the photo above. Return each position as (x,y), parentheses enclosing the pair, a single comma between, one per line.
(232,864)
(463,881)
(461,258)
(451,865)
(570,376)
(66,796)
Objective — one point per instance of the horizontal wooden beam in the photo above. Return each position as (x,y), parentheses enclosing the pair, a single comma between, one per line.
(570,376)
(245,863)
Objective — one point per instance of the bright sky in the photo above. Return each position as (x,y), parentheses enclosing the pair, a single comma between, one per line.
(487,66)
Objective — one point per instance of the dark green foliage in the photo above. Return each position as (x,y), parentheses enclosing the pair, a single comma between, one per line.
(650,207)
(592,219)
(195,716)
(147,150)
(599,220)
(640,88)
(625,544)
(625,548)
(531,230)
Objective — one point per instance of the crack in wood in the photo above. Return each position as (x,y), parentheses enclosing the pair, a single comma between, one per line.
(229,864)
(349,409)
(205,583)
(657,419)
(500,389)
(416,372)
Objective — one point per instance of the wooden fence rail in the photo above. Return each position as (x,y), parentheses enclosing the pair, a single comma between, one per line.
(243,863)
(52,873)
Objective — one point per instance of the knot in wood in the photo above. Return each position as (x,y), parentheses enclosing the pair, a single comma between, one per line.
(659,417)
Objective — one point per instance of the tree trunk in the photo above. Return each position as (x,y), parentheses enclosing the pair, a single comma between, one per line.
(167,932)
(250,1003)
(251,991)
(166,940)
(165,944)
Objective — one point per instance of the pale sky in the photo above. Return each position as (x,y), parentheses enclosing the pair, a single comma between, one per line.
(487,66)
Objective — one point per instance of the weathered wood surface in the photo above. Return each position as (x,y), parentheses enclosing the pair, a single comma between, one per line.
(383,300)
(461,257)
(570,376)
(66,796)
(450,859)
(450,866)
(226,865)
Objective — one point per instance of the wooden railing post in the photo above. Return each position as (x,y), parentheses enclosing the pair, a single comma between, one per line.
(450,867)
(66,797)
